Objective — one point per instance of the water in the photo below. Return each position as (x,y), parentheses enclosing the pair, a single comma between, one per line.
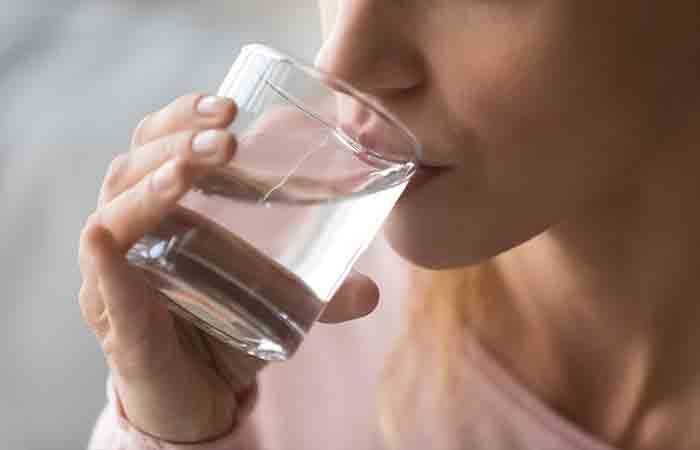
(253,259)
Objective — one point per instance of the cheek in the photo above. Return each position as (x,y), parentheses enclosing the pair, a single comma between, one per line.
(552,133)
(547,118)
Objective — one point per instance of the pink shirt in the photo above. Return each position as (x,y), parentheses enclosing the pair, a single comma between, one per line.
(325,397)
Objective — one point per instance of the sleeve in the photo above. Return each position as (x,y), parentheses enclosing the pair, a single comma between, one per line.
(113,431)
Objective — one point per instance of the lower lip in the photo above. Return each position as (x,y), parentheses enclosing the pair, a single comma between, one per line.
(368,137)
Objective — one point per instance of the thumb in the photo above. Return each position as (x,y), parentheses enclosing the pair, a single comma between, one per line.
(356,297)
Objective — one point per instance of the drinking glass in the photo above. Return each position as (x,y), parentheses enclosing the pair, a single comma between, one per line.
(256,249)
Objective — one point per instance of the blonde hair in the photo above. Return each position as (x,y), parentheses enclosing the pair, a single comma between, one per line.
(437,317)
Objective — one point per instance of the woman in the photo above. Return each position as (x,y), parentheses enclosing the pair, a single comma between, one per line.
(559,230)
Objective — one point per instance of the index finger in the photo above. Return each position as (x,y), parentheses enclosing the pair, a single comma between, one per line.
(196,111)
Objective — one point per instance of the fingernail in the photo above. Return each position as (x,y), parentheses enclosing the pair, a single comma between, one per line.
(212,105)
(208,141)
(165,176)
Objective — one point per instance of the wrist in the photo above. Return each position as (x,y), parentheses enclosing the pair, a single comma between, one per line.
(180,417)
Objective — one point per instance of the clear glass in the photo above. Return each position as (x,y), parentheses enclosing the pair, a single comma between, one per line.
(256,249)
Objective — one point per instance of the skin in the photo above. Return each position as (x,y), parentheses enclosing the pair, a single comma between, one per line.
(151,353)
(570,132)
(567,131)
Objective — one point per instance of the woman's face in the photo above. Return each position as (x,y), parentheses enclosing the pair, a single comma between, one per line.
(539,107)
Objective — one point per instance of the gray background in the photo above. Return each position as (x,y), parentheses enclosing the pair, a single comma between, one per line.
(75,77)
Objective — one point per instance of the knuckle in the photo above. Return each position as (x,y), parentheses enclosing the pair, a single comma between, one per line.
(115,172)
(93,221)
(183,140)
(92,308)
(174,145)
(174,111)
(181,106)
(147,203)
(138,136)
(153,203)
(87,236)
(85,301)
(191,99)
(179,144)
(90,223)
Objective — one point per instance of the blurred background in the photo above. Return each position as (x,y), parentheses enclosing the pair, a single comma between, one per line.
(75,78)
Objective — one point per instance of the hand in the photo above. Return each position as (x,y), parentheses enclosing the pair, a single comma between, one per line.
(174,382)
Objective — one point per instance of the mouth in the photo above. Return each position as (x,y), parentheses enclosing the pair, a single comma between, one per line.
(370,134)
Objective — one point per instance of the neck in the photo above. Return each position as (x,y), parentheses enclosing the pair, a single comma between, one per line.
(599,315)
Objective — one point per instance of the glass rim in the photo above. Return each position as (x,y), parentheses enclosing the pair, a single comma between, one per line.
(334,83)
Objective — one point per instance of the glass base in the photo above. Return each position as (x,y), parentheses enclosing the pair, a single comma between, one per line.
(222,308)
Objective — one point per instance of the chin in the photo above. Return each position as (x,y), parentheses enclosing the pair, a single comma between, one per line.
(433,228)
(428,245)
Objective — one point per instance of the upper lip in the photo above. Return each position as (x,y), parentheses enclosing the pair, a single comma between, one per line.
(365,135)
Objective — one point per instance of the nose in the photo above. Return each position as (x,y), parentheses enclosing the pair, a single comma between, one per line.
(369,48)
